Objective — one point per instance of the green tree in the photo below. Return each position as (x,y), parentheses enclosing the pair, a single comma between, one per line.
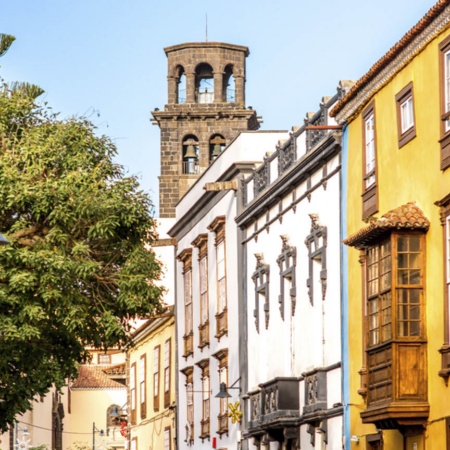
(79,265)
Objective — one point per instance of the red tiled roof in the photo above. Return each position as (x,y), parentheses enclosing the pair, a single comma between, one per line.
(421,25)
(94,377)
(406,217)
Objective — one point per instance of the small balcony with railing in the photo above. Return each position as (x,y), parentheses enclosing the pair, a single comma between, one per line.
(303,141)
(275,403)
(203,334)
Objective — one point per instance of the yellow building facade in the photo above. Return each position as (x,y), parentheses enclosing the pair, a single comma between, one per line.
(151,385)
(397,208)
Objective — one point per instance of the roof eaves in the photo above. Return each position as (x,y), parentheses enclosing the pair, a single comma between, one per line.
(413,42)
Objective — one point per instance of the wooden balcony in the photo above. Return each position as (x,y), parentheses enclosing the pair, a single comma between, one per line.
(397,386)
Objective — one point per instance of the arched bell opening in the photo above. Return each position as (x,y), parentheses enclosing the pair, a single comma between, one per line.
(216,146)
(181,86)
(229,85)
(190,155)
(204,84)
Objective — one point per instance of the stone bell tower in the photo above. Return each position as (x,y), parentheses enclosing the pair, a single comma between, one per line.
(205,111)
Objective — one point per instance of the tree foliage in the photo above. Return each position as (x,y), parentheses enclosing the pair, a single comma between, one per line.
(79,265)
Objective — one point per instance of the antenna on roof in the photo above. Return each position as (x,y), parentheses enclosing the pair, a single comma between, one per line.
(206,20)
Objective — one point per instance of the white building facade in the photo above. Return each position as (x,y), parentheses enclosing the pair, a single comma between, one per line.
(208,318)
(290,243)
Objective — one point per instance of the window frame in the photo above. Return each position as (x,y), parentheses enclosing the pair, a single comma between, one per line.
(444,206)
(379,315)
(143,385)
(444,92)
(185,257)
(218,226)
(156,376)
(133,398)
(222,418)
(201,242)
(167,370)
(167,431)
(370,192)
(405,135)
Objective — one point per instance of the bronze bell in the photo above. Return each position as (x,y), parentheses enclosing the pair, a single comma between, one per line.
(216,151)
(190,152)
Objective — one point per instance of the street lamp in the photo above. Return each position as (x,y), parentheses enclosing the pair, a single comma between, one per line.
(223,392)
(101,433)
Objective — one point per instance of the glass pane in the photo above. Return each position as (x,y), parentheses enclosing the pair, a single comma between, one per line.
(415,329)
(402,260)
(402,244)
(415,312)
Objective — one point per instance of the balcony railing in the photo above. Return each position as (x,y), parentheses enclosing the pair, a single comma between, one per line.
(221,323)
(222,423)
(203,334)
(191,167)
(204,428)
(276,399)
(188,344)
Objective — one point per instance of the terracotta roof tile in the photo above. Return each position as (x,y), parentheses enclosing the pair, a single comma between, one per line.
(394,51)
(409,217)
(94,377)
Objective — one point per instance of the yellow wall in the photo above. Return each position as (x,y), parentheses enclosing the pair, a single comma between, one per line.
(150,431)
(411,173)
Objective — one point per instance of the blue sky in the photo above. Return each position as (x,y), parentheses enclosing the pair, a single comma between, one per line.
(104,59)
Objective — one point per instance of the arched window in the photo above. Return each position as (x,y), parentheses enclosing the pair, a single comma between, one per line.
(216,146)
(181,87)
(229,85)
(204,84)
(113,416)
(190,155)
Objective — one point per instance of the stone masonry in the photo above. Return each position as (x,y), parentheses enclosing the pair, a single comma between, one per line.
(193,118)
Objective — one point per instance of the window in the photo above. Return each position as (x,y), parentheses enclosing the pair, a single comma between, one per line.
(186,258)
(444,61)
(189,427)
(133,393)
(143,386)
(405,115)
(202,244)
(156,378)
(287,262)
(205,421)
(374,441)
(134,444)
(218,227)
(222,357)
(401,297)
(261,277)
(167,355)
(444,205)
(104,358)
(395,341)
(316,242)
(167,438)
(370,201)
